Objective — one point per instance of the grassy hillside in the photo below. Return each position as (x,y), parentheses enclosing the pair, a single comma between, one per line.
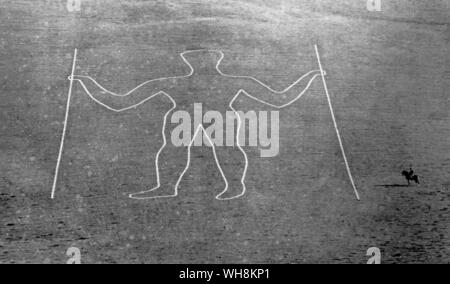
(388,74)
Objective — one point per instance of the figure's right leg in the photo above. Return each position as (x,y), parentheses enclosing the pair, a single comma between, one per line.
(170,164)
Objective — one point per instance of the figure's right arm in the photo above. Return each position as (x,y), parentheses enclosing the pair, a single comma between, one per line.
(260,92)
(118,102)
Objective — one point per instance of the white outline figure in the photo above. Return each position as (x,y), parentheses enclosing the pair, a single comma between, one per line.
(201,128)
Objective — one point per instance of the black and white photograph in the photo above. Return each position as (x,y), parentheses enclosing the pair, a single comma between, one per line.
(235,133)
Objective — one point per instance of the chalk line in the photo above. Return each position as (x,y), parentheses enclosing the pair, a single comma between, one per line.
(201,128)
(63,137)
(182,55)
(335,124)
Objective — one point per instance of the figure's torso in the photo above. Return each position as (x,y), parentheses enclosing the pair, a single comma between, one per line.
(214,92)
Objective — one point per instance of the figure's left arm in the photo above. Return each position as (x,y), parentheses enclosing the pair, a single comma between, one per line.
(279,99)
(122,102)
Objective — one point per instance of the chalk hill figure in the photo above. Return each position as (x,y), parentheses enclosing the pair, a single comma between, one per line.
(205,81)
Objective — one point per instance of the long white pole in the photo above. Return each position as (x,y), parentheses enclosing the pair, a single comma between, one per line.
(335,124)
(63,137)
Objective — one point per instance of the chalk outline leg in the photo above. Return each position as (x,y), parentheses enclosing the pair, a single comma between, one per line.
(200,131)
(132,196)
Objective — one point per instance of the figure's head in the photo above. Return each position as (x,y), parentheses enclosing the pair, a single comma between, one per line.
(203,61)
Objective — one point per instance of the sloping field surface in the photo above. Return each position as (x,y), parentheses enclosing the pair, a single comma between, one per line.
(388,75)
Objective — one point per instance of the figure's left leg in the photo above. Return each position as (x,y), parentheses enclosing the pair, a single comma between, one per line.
(233,163)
